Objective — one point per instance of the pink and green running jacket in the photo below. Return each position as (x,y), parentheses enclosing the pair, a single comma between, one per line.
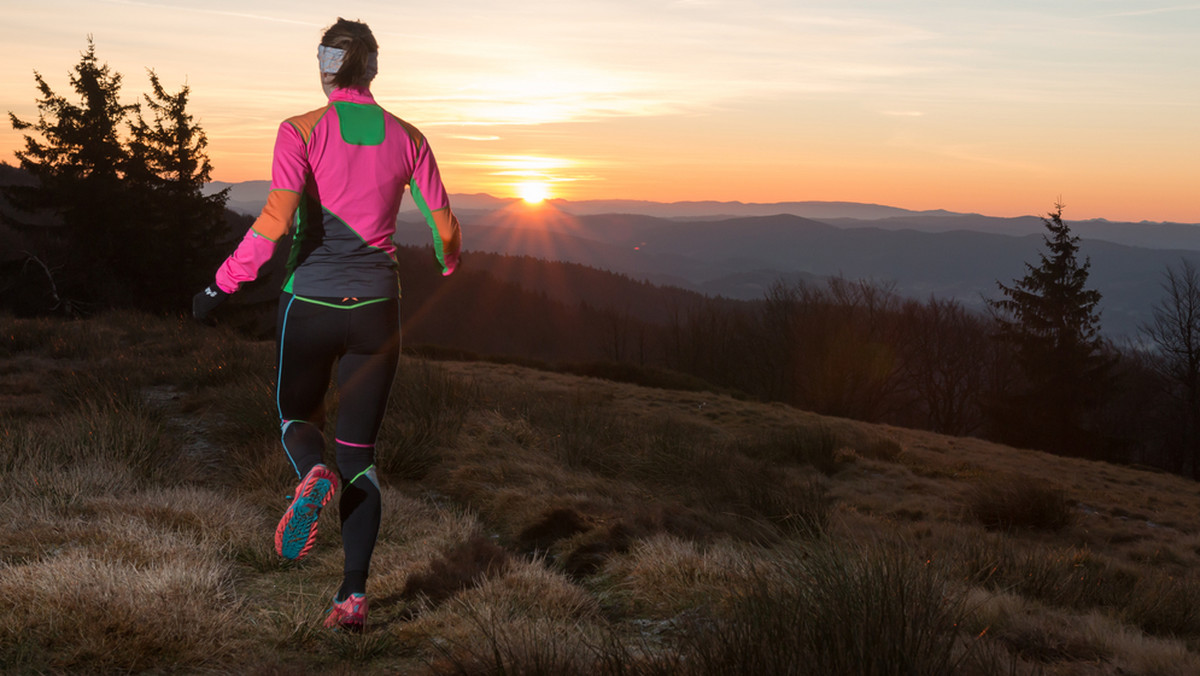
(341,169)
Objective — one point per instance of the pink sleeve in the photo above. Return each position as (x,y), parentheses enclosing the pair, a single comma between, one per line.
(289,171)
(243,266)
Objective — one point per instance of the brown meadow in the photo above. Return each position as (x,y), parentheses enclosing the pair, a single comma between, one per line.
(538,522)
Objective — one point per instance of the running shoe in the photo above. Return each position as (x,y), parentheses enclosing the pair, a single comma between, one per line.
(350,614)
(297,530)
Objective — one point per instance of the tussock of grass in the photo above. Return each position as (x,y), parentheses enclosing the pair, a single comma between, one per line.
(857,610)
(506,644)
(1164,604)
(1040,634)
(817,447)
(63,612)
(1056,575)
(581,433)
(428,409)
(1017,501)
(217,520)
(664,575)
(241,411)
(96,451)
(531,588)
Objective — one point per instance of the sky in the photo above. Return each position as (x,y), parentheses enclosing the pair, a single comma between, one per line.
(998,108)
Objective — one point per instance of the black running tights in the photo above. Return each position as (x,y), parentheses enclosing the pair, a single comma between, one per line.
(363,338)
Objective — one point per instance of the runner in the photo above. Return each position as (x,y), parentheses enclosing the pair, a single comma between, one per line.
(338,177)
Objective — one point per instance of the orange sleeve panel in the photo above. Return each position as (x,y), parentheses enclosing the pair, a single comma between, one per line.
(446,224)
(305,123)
(276,218)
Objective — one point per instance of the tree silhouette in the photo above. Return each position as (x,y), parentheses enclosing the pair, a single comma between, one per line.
(133,226)
(78,164)
(166,170)
(1049,317)
(944,364)
(1175,332)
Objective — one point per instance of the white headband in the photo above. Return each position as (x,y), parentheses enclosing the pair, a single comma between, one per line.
(331,61)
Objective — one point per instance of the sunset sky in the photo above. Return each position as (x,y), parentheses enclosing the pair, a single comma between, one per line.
(998,108)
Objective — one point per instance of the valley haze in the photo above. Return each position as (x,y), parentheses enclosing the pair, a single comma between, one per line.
(738,250)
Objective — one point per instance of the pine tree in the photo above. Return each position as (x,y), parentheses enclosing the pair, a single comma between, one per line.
(136,228)
(166,171)
(1050,319)
(78,164)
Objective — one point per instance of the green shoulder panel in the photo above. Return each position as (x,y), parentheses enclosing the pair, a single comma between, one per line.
(361,124)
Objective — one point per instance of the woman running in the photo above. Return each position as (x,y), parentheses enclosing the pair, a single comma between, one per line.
(341,170)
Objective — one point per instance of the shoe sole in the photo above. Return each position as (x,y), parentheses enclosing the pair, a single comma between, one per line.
(297,530)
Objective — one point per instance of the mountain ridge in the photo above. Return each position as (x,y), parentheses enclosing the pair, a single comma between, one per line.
(255,192)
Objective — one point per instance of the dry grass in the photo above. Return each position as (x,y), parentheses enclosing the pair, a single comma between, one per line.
(539,522)
(1019,501)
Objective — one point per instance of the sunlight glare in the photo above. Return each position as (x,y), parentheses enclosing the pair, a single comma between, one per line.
(533,192)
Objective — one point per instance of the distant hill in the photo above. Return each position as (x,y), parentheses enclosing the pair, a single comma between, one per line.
(741,258)
(692,246)
(250,196)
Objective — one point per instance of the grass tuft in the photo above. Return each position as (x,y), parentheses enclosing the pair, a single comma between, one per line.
(177,609)
(814,446)
(856,610)
(427,409)
(1014,501)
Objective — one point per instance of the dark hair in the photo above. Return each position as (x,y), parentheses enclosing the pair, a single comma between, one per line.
(356,39)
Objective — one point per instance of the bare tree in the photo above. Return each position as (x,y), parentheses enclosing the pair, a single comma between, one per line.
(945,364)
(1175,332)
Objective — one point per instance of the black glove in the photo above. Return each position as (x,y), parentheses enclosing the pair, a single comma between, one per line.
(207,300)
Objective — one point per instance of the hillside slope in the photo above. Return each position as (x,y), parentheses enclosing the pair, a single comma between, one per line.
(542,522)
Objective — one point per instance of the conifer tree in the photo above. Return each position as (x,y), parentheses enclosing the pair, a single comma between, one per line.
(78,163)
(166,171)
(1050,319)
(136,229)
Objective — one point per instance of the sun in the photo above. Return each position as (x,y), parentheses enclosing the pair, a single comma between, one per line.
(533,192)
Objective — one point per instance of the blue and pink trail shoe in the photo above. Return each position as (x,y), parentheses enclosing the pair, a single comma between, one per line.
(350,614)
(297,530)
